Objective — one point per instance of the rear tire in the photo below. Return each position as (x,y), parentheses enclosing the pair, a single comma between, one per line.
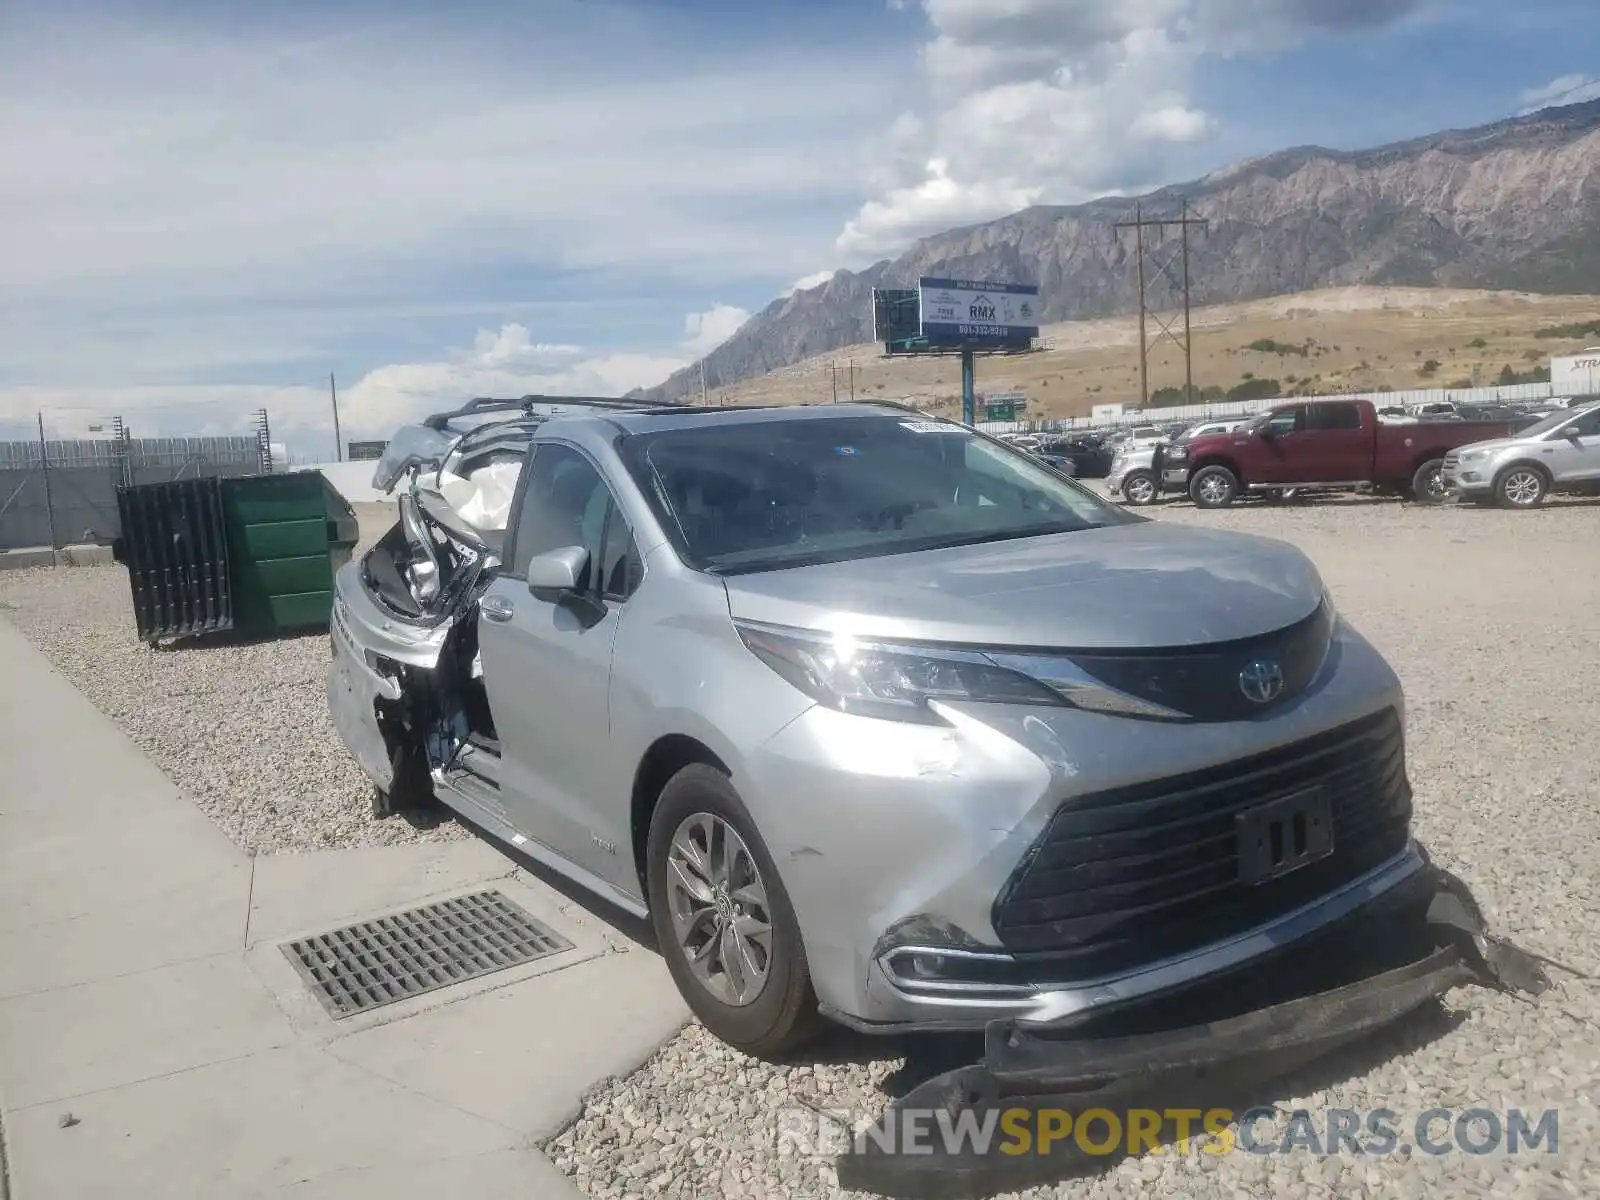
(1521,487)
(1427,483)
(1213,487)
(707,893)
(1139,487)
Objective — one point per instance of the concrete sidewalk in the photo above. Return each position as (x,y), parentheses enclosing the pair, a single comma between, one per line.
(155,1041)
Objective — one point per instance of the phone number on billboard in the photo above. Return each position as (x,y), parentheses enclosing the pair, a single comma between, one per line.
(983,330)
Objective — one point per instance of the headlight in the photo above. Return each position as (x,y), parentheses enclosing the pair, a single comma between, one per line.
(1176,453)
(901,683)
(1471,455)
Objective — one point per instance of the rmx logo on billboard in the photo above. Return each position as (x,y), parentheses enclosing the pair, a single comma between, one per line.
(970,312)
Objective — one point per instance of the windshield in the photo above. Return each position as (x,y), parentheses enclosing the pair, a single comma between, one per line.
(773,494)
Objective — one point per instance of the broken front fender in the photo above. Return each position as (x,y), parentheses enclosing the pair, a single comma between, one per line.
(1205,1048)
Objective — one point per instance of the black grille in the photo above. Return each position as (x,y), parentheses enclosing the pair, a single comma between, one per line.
(1204,683)
(1125,877)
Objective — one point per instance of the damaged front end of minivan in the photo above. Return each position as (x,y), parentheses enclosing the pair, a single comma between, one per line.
(1070,1098)
(406,685)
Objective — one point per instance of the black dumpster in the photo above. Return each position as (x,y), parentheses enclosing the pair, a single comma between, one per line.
(254,554)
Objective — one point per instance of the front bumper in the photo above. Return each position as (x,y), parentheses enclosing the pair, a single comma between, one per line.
(1467,478)
(1199,1049)
(894,839)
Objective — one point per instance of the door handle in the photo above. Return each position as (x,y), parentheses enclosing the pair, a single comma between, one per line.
(496,608)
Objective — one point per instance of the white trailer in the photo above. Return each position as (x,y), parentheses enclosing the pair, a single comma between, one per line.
(1576,374)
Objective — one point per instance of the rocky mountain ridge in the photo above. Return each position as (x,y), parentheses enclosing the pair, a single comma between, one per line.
(1514,204)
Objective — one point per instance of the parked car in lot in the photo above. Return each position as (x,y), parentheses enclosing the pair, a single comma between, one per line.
(1139,437)
(877,719)
(1140,476)
(1090,455)
(1324,445)
(1059,462)
(1559,454)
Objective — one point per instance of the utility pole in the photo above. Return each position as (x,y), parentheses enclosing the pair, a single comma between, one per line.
(833,377)
(1172,266)
(969,385)
(338,439)
(44,467)
(852,381)
(702,383)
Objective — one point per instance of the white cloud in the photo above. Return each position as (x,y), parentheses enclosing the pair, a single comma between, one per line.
(806,282)
(392,395)
(503,362)
(703,332)
(1056,101)
(1175,124)
(1566,89)
(157,175)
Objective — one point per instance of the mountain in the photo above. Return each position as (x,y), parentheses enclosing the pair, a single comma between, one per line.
(1515,204)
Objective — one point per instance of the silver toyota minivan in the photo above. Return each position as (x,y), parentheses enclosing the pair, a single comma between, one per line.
(873,716)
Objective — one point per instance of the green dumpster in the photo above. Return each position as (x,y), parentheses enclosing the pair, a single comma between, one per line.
(287,535)
(254,554)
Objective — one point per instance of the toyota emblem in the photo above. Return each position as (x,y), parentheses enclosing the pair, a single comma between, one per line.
(1261,681)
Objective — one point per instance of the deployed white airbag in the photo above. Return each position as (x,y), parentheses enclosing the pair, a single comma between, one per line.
(483,499)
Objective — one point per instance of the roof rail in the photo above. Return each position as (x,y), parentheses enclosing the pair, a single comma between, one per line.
(488,404)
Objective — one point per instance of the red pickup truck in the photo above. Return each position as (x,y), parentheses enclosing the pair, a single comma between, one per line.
(1321,445)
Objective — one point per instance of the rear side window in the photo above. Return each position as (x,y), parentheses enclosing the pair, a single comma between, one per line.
(1320,417)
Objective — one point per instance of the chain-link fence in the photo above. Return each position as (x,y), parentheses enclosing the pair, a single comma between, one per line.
(62,493)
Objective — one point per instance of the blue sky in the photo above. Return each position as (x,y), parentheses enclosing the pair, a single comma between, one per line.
(206,207)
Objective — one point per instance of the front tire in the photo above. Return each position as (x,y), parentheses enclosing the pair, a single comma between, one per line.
(1521,487)
(723,920)
(1139,487)
(1427,483)
(1213,487)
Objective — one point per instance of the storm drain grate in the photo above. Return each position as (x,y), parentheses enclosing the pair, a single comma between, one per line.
(378,962)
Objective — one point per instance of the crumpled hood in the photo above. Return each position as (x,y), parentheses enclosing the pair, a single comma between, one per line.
(1136,586)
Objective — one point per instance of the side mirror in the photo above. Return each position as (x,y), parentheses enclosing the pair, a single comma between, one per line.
(556,572)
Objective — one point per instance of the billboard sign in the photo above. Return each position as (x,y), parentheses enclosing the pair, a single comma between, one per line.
(965,312)
(894,316)
(364,451)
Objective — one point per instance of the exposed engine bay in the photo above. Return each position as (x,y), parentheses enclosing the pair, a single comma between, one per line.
(424,577)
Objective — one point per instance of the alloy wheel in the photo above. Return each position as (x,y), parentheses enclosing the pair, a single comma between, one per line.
(719,909)
(1139,490)
(1523,488)
(1214,489)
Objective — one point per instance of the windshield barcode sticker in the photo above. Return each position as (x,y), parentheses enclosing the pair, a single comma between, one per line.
(931,427)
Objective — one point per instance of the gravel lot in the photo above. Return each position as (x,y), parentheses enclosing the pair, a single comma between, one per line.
(243,729)
(1492,621)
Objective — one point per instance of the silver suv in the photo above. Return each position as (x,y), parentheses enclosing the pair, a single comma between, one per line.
(874,716)
(1561,453)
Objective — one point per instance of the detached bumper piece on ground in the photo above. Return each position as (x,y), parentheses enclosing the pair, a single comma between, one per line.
(1212,1046)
